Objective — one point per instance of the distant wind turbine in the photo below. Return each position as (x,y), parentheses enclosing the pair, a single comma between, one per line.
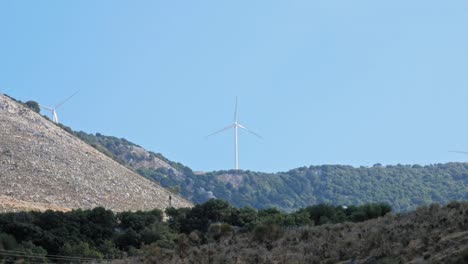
(53,110)
(3,91)
(456,151)
(235,125)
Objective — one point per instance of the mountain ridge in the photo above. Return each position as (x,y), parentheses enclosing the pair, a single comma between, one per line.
(403,186)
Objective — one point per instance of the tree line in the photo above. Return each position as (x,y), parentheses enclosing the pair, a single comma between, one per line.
(103,234)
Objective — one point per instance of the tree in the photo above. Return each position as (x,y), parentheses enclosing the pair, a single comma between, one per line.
(244,217)
(33,105)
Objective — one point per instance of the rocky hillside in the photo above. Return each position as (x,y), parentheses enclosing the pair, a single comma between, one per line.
(42,163)
(151,165)
(9,204)
(126,152)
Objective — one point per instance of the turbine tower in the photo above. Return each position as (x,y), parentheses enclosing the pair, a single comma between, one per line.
(53,110)
(235,125)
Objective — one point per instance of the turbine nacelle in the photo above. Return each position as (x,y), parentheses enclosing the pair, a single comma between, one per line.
(461,152)
(53,110)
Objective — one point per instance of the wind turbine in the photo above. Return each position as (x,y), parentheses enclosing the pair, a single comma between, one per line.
(3,91)
(53,110)
(461,152)
(235,126)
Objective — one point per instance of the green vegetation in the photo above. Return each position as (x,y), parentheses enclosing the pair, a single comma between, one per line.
(404,187)
(33,105)
(430,234)
(97,233)
(102,234)
(216,232)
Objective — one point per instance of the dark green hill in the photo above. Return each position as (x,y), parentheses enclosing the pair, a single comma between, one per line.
(404,187)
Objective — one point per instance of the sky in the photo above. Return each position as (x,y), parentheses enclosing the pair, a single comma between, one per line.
(323,82)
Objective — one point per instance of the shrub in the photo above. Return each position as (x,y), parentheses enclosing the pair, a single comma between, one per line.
(268,232)
(81,249)
(219,230)
(7,242)
(464,255)
(33,105)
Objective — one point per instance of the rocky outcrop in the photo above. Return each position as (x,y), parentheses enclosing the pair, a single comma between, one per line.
(138,157)
(42,163)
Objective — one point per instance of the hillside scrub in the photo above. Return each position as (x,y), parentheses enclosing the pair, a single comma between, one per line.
(430,234)
(101,234)
(216,232)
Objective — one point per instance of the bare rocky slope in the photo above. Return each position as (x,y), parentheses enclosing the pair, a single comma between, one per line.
(9,204)
(42,163)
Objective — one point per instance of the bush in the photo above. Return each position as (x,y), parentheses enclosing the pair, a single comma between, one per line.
(7,242)
(268,232)
(219,230)
(464,255)
(82,250)
(33,105)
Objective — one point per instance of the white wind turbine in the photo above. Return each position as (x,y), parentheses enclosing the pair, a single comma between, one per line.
(461,152)
(3,91)
(53,110)
(235,125)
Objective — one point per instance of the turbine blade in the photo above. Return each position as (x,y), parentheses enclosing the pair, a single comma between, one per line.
(4,91)
(248,130)
(462,152)
(235,112)
(47,108)
(221,130)
(68,98)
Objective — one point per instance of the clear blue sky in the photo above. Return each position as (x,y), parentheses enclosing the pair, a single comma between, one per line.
(324,82)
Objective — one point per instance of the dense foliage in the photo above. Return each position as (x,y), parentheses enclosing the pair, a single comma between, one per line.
(33,105)
(103,234)
(404,187)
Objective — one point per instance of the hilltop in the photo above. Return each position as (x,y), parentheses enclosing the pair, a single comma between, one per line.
(43,163)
